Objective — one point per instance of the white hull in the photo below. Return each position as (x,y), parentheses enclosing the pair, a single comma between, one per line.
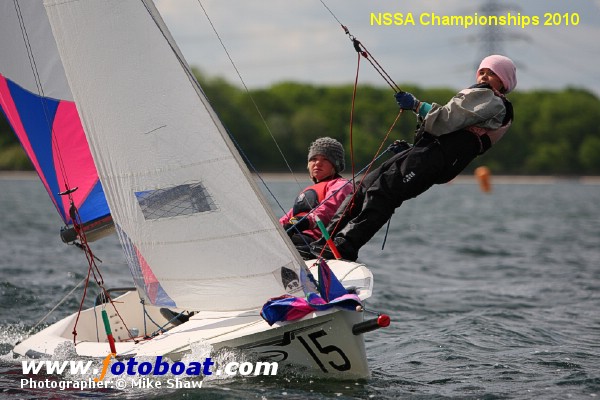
(321,344)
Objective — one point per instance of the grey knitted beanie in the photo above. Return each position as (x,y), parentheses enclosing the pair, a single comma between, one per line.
(331,149)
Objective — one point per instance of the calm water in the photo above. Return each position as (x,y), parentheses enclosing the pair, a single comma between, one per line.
(492,296)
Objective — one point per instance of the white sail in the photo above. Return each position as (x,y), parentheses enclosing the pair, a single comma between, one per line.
(26,43)
(194,227)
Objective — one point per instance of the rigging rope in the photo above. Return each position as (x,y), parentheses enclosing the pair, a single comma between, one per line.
(250,96)
(362,50)
(56,306)
(367,170)
(351,128)
(69,190)
(40,89)
(93,269)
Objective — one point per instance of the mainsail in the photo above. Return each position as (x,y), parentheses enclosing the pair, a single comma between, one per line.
(196,231)
(39,106)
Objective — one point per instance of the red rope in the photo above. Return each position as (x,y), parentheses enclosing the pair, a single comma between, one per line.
(365,54)
(386,77)
(354,90)
(92,268)
(75,218)
(362,50)
(370,165)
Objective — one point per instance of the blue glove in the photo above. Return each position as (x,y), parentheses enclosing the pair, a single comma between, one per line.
(407,101)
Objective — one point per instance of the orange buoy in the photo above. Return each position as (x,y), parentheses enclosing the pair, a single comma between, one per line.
(483,175)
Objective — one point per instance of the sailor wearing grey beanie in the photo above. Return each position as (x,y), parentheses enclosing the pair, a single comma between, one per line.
(325,159)
(322,198)
(329,148)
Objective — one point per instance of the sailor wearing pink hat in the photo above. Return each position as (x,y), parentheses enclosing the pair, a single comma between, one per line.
(448,138)
(503,68)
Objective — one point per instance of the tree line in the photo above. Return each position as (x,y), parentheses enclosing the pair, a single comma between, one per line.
(553,133)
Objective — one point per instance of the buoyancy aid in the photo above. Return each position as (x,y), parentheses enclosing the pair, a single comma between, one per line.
(310,197)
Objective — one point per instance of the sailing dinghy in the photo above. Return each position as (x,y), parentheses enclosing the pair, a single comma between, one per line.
(112,118)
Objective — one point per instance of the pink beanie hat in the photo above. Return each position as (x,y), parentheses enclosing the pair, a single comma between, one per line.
(504,68)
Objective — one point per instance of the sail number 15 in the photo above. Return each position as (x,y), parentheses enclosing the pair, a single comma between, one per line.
(324,350)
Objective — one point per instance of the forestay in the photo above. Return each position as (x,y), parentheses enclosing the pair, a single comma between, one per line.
(195,229)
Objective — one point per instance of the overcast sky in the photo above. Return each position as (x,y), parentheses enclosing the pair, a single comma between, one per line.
(277,40)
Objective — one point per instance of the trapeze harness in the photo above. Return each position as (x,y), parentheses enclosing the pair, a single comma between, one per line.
(488,137)
(462,146)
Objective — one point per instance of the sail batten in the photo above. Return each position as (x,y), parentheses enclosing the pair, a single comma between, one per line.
(195,229)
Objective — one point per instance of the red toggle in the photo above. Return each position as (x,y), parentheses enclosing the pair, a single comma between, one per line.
(383,320)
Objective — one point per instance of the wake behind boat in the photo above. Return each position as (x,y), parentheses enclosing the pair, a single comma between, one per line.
(122,135)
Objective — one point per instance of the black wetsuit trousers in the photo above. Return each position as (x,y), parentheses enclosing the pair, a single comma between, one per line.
(432,160)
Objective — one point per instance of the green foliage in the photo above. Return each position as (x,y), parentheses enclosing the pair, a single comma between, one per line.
(554,132)
(6,135)
(589,154)
(13,158)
